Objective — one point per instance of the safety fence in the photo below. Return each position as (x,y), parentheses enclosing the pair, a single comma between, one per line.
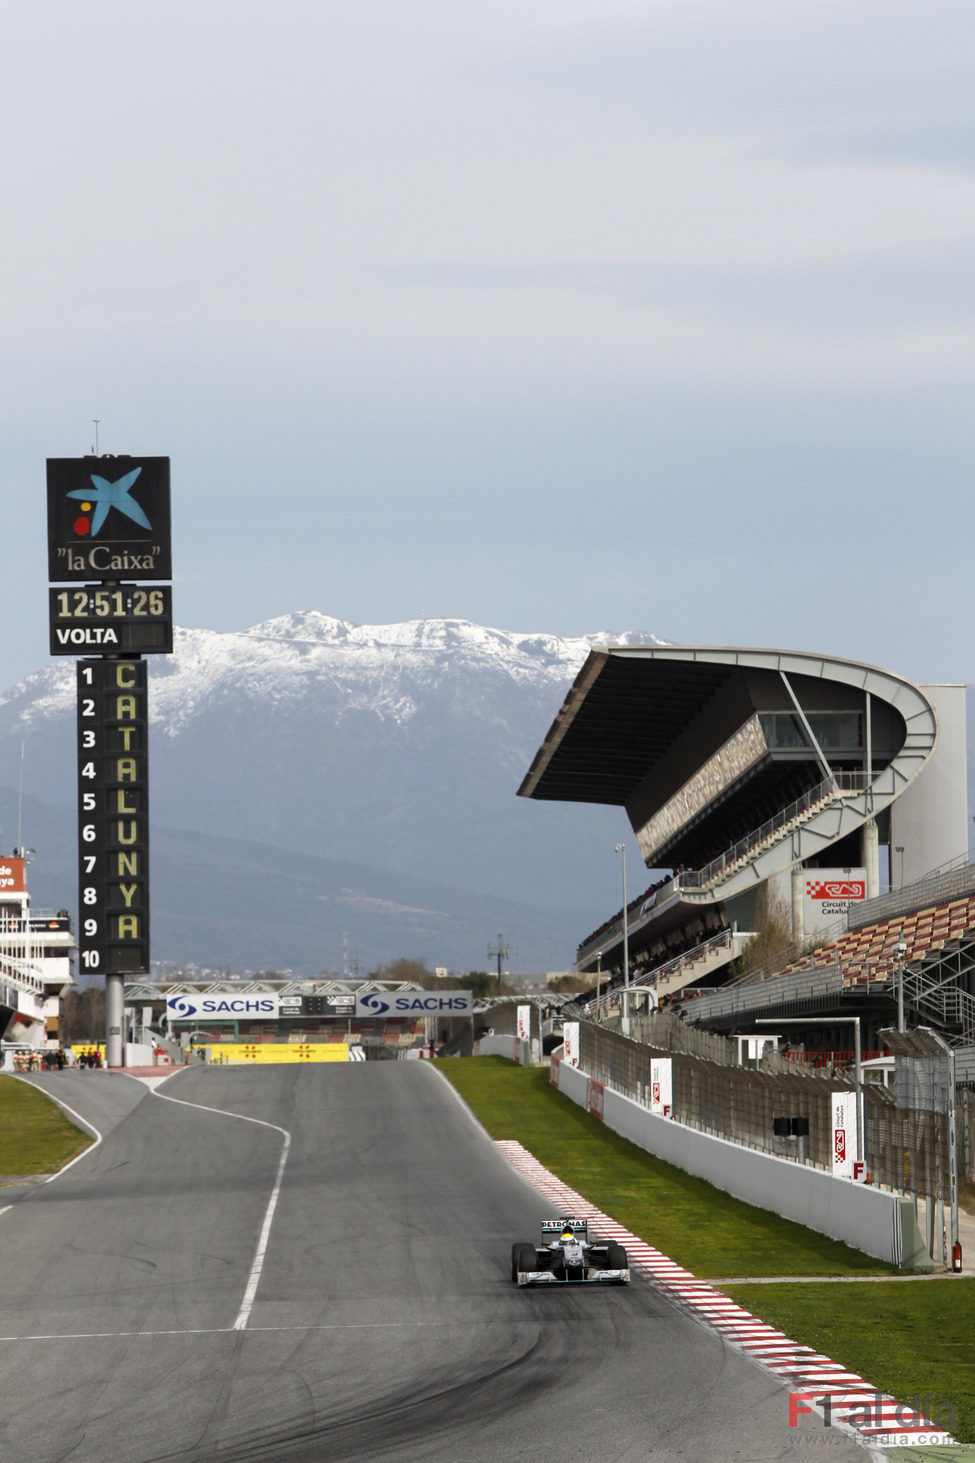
(904,1149)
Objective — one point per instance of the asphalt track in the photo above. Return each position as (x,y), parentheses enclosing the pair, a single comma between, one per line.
(329,1280)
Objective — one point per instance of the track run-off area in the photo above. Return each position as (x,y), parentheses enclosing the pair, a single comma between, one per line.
(312,1262)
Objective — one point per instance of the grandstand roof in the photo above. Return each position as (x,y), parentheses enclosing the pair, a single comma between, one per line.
(619,718)
(730,762)
(629,706)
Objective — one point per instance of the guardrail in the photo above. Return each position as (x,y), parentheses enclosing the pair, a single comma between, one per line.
(798,985)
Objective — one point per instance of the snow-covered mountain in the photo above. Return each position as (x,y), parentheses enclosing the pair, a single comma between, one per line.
(397,748)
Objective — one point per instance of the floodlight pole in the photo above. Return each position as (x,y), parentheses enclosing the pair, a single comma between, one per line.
(900,950)
(502,951)
(625,1021)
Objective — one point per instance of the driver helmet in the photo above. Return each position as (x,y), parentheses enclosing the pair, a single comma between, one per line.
(567,1232)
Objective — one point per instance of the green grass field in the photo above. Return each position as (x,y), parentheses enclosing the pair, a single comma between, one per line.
(907,1338)
(915,1341)
(35,1135)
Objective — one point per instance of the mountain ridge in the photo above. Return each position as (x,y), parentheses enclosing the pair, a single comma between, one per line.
(395,749)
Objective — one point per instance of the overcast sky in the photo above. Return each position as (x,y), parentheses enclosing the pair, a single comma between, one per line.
(556,315)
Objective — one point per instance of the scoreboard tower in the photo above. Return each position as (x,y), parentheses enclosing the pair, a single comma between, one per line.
(109,528)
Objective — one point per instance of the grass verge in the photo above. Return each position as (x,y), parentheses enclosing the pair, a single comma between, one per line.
(35,1135)
(916,1342)
(906,1339)
(699,1226)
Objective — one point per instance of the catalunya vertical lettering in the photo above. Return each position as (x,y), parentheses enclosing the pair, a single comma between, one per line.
(113,816)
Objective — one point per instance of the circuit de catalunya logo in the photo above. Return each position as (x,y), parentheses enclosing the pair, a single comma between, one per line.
(836,889)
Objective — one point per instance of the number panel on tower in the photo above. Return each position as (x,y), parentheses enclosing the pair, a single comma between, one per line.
(113,817)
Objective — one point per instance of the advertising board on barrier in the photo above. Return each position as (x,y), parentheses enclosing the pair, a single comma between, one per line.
(662,1086)
(570,1037)
(844,1134)
(223,1007)
(524,1017)
(413,1005)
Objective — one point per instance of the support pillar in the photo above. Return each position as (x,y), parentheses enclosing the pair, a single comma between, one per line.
(115,1020)
(870,856)
(798,915)
(929,1224)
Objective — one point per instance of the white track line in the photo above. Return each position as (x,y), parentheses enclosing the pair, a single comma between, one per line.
(248,1302)
(257,1264)
(441,1323)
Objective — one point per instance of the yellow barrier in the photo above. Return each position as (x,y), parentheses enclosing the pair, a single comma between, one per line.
(261,1052)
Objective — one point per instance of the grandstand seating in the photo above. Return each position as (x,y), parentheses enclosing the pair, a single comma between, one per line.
(869,954)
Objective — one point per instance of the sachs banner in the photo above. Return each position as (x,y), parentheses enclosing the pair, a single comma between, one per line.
(223,1007)
(413,1005)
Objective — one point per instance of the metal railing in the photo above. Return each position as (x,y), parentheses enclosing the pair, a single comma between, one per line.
(661,974)
(947,1004)
(22,974)
(767,833)
(774,990)
(756,838)
(947,883)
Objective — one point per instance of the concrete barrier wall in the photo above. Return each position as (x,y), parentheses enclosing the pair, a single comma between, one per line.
(879,1224)
(526,1054)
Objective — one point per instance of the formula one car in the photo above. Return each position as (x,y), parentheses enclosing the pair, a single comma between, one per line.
(567,1256)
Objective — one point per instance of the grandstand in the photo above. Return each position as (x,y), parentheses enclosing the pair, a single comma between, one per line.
(920,955)
(760,782)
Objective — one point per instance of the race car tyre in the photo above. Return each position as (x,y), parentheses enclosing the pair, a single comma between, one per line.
(523,1257)
(616,1257)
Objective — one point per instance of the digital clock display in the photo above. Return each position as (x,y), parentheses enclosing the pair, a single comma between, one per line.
(130,619)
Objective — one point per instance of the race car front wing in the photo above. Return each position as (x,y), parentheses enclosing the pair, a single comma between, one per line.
(592,1276)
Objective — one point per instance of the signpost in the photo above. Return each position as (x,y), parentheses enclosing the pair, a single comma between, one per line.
(108,521)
